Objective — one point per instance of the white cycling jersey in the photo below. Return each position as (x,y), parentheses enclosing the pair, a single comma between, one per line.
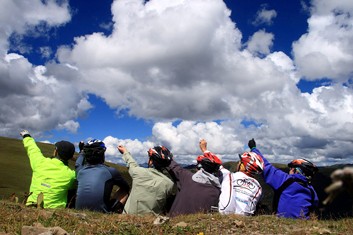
(239,193)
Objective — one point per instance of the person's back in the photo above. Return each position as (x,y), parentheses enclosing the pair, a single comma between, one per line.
(297,200)
(51,176)
(294,197)
(198,192)
(151,188)
(240,191)
(96,180)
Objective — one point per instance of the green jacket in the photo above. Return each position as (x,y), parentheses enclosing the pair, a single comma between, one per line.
(150,189)
(50,176)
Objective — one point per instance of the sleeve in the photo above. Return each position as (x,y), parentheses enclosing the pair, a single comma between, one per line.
(179,173)
(316,199)
(132,165)
(226,191)
(34,153)
(79,162)
(224,171)
(273,176)
(73,182)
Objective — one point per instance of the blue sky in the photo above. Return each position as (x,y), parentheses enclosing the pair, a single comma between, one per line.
(158,72)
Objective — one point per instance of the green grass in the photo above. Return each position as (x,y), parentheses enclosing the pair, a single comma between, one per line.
(15,170)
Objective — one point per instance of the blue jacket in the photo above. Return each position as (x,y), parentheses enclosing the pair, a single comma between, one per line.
(298,199)
(95,185)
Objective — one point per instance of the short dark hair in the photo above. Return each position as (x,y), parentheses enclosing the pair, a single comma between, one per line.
(65,150)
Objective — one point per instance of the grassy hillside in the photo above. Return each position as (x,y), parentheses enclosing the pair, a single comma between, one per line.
(15,170)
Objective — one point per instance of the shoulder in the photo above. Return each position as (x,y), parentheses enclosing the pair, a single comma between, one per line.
(239,174)
(108,168)
(298,177)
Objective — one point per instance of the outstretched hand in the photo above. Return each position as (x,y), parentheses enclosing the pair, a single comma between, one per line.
(80,145)
(252,143)
(122,149)
(203,145)
(25,133)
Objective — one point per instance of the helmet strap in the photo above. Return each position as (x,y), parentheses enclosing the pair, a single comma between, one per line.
(198,166)
(150,162)
(241,167)
(299,171)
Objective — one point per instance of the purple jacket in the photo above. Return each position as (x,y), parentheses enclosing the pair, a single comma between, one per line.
(192,197)
(298,199)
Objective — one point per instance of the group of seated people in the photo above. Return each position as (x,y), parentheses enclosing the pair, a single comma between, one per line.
(165,187)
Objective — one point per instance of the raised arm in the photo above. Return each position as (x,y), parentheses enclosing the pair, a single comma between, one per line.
(203,145)
(79,162)
(272,175)
(131,164)
(34,153)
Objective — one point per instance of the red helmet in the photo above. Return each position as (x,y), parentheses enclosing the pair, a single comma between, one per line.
(253,163)
(209,162)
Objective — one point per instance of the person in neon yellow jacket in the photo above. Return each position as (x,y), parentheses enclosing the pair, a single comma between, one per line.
(51,176)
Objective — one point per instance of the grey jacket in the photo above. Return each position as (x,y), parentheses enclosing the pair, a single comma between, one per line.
(150,189)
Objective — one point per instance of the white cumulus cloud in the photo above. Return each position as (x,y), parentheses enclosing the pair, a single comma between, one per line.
(182,65)
(325,51)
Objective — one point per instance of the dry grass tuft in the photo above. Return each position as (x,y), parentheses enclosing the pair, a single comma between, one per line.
(14,216)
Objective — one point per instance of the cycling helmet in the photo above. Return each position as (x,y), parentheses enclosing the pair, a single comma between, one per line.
(252,162)
(209,162)
(160,156)
(94,151)
(307,168)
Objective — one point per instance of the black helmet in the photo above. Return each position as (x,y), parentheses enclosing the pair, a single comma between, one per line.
(209,162)
(308,168)
(160,156)
(94,152)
